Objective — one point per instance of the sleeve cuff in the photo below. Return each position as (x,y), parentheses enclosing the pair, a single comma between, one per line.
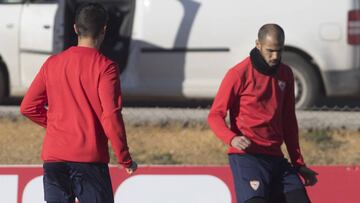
(127,164)
(229,138)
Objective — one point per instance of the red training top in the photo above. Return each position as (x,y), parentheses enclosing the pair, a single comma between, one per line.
(82,90)
(262,108)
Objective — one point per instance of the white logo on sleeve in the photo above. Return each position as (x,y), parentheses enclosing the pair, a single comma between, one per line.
(282,85)
(254,184)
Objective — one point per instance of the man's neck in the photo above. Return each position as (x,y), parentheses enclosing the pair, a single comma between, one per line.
(260,64)
(88,42)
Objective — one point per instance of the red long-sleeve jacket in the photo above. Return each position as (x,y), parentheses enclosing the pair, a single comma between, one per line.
(261,107)
(82,90)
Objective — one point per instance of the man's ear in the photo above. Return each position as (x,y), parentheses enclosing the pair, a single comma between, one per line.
(76,29)
(257,44)
(104,29)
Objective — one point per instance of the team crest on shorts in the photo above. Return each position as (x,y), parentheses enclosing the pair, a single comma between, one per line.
(254,184)
(282,85)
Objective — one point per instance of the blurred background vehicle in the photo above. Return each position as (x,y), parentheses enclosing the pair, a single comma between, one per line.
(179,50)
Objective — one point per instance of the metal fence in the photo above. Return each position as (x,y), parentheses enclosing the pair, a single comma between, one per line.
(316,118)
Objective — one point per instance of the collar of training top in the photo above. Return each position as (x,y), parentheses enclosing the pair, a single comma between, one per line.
(260,64)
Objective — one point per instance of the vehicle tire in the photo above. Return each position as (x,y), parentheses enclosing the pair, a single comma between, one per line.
(3,86)
(308,91)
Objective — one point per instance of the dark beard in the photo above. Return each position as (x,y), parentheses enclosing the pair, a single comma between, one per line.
(260,64)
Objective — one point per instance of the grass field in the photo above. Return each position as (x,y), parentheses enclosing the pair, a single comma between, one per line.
(175,143)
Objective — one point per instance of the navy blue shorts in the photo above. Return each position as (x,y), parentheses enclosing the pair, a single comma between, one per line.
(89,182)
(269,177)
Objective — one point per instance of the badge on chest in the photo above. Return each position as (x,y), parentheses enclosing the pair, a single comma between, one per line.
(282,85)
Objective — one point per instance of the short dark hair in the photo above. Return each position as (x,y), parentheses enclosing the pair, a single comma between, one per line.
(90,19)
(271,29)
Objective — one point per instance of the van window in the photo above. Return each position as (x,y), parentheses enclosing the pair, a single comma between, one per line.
(11,1)
(43,1)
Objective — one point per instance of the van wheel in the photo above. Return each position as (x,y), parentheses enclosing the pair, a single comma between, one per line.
(3,86)
(307,83)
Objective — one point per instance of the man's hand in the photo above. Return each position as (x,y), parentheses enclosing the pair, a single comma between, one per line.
(132,168)
(240,142)
(308,175)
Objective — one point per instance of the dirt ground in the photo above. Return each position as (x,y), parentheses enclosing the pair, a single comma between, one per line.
(175,143)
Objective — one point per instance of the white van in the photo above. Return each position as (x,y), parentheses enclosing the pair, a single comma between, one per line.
(181,49)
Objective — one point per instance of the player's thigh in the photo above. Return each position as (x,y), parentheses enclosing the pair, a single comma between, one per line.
(297,196)
(290,179)
(57,183)
(92,183)
(285,181)
(251,178)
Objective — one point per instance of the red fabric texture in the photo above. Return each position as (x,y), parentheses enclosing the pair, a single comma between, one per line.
(261,107)
(81,88)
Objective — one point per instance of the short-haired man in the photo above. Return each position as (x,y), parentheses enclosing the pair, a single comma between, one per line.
(81,88)
(259,93)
